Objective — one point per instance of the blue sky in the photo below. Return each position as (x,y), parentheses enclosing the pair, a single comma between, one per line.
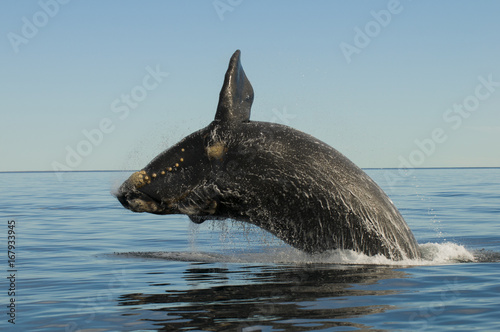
(387,83)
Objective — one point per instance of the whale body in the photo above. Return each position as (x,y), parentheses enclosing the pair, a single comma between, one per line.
(283,180)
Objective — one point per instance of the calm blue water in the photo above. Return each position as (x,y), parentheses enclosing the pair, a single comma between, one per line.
(86,264)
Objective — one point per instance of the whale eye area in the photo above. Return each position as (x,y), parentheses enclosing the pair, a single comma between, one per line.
(141,178)
(216,150)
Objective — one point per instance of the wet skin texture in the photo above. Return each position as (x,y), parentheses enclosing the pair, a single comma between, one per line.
(273,176)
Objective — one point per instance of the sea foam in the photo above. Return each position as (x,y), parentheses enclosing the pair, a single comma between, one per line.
(432,254)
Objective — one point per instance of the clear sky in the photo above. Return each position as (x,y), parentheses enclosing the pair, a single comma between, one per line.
(91,85)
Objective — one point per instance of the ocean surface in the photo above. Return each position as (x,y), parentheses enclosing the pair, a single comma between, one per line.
(81,262)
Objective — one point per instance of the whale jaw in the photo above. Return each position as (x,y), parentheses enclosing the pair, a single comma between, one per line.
(134,200)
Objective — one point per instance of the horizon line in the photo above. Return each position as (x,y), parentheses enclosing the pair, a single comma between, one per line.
(363,168)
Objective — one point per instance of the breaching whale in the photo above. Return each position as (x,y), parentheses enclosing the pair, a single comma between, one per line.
(285,181)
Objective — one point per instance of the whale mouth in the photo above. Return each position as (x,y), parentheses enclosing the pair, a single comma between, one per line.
(137,201)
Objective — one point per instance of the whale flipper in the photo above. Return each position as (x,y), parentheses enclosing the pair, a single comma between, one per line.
(236,95)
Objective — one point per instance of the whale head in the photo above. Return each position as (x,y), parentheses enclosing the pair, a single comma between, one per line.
(180,180)
(167,181)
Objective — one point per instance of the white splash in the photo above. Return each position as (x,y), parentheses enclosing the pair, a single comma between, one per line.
(432,254)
